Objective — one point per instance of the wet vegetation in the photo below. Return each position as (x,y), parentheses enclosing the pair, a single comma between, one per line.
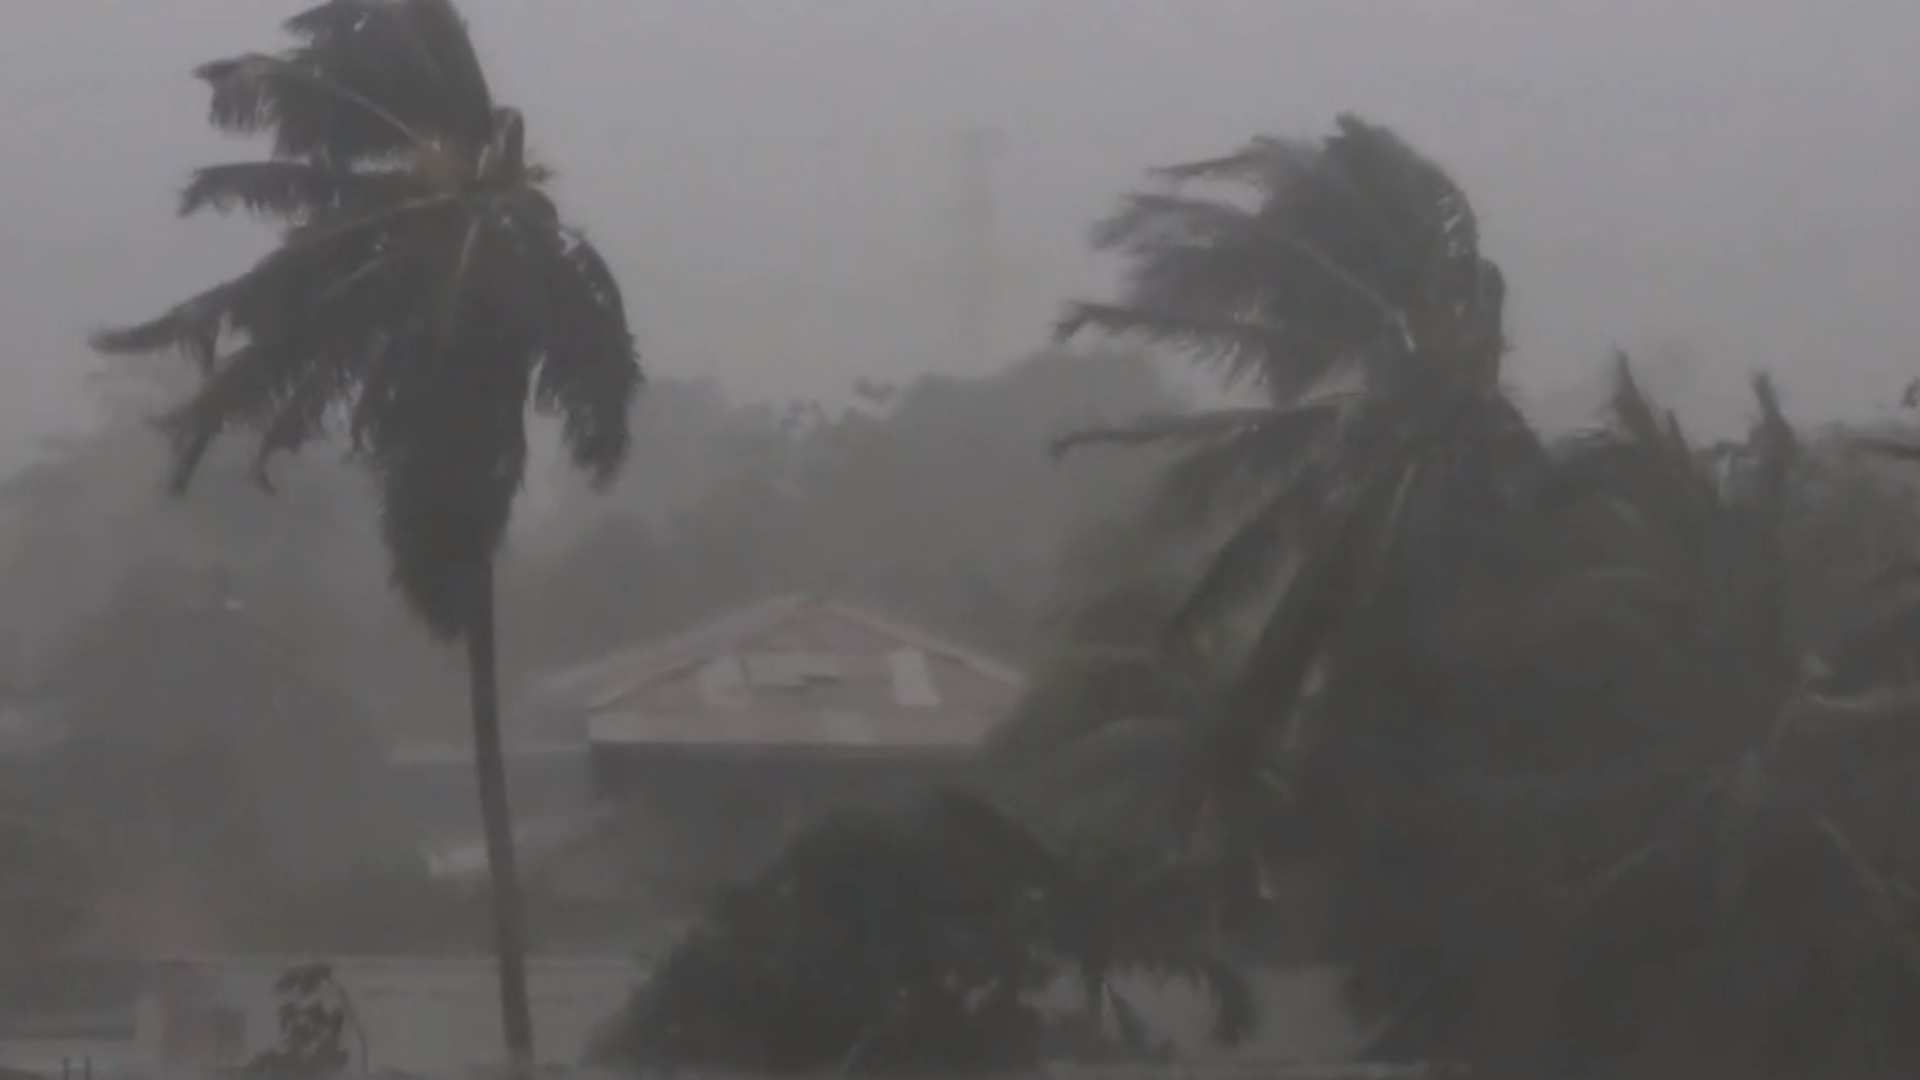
(1602,745)
(1602,742)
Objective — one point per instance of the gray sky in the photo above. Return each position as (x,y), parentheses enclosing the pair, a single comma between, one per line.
(771,177)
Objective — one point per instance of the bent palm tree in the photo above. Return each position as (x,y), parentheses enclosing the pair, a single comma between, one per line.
(1781,772)
(422,291)
(1351,292)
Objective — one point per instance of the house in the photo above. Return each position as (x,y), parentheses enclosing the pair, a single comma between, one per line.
(643,778)
(424,1016)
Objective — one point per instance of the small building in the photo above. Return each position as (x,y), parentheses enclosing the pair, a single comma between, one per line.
(423,1016)
(646,777)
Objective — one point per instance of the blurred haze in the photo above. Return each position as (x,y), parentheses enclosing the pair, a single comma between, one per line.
(1727,179)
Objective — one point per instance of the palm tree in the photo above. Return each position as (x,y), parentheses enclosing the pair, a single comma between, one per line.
(1764,767)
(1350,293)
(1648,755)
(423,290)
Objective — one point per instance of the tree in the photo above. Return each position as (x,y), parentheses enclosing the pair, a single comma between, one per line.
(1726,841)
(423,290)
(914,940)
(83,523)
(47,883)
(925,503)
(1351,295)
(198,738)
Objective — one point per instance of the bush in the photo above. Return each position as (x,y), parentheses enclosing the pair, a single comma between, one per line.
(883,944)
(919,942)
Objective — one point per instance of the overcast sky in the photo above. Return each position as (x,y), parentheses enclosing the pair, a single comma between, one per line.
(772,178)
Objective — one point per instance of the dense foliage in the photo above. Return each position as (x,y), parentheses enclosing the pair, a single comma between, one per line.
(1603,746)
(920,942)
(1601,741)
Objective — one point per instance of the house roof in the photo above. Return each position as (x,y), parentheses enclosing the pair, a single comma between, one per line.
(604,682)
(791,673)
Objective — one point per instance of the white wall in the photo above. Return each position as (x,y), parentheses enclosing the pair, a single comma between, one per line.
(1303,1015)
(420,1015)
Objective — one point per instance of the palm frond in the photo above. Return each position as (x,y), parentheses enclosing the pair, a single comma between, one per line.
(1774,444)
(1253,558)
(368,81)
(1420,205)
(589,369)
(315,256)
(1271,165)
(1185,428)
(1280,261)
(1156,220)
(239,390)
(309,113)
(305,316)
(1244,351)
(191,328)
(300,415)
(1330,571)
(425,39)
(291,190)
(1634,413)
(1230,474)
(1356,247)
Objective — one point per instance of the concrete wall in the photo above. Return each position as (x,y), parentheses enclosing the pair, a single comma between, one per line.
(434,1016)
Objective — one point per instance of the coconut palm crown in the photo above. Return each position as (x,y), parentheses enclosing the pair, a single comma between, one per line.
(423,289)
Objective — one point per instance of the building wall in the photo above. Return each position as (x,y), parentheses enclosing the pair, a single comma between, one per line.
(427,1016)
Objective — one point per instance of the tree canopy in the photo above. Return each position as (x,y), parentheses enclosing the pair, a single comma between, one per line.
(423,287)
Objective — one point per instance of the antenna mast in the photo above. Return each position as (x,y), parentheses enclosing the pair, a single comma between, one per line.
(976,260)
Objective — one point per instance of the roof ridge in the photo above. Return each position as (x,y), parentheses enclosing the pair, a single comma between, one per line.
(929,641)
(723,626)
(674,654)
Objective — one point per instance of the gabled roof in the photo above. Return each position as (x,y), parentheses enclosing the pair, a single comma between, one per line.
(607,681)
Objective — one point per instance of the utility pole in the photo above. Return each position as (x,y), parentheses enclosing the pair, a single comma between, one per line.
(975,250)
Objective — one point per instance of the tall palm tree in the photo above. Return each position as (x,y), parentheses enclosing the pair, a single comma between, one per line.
(1349,291)
(1746,800)
(423,290)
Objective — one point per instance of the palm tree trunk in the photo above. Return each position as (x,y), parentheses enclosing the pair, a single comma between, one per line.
(496,820)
